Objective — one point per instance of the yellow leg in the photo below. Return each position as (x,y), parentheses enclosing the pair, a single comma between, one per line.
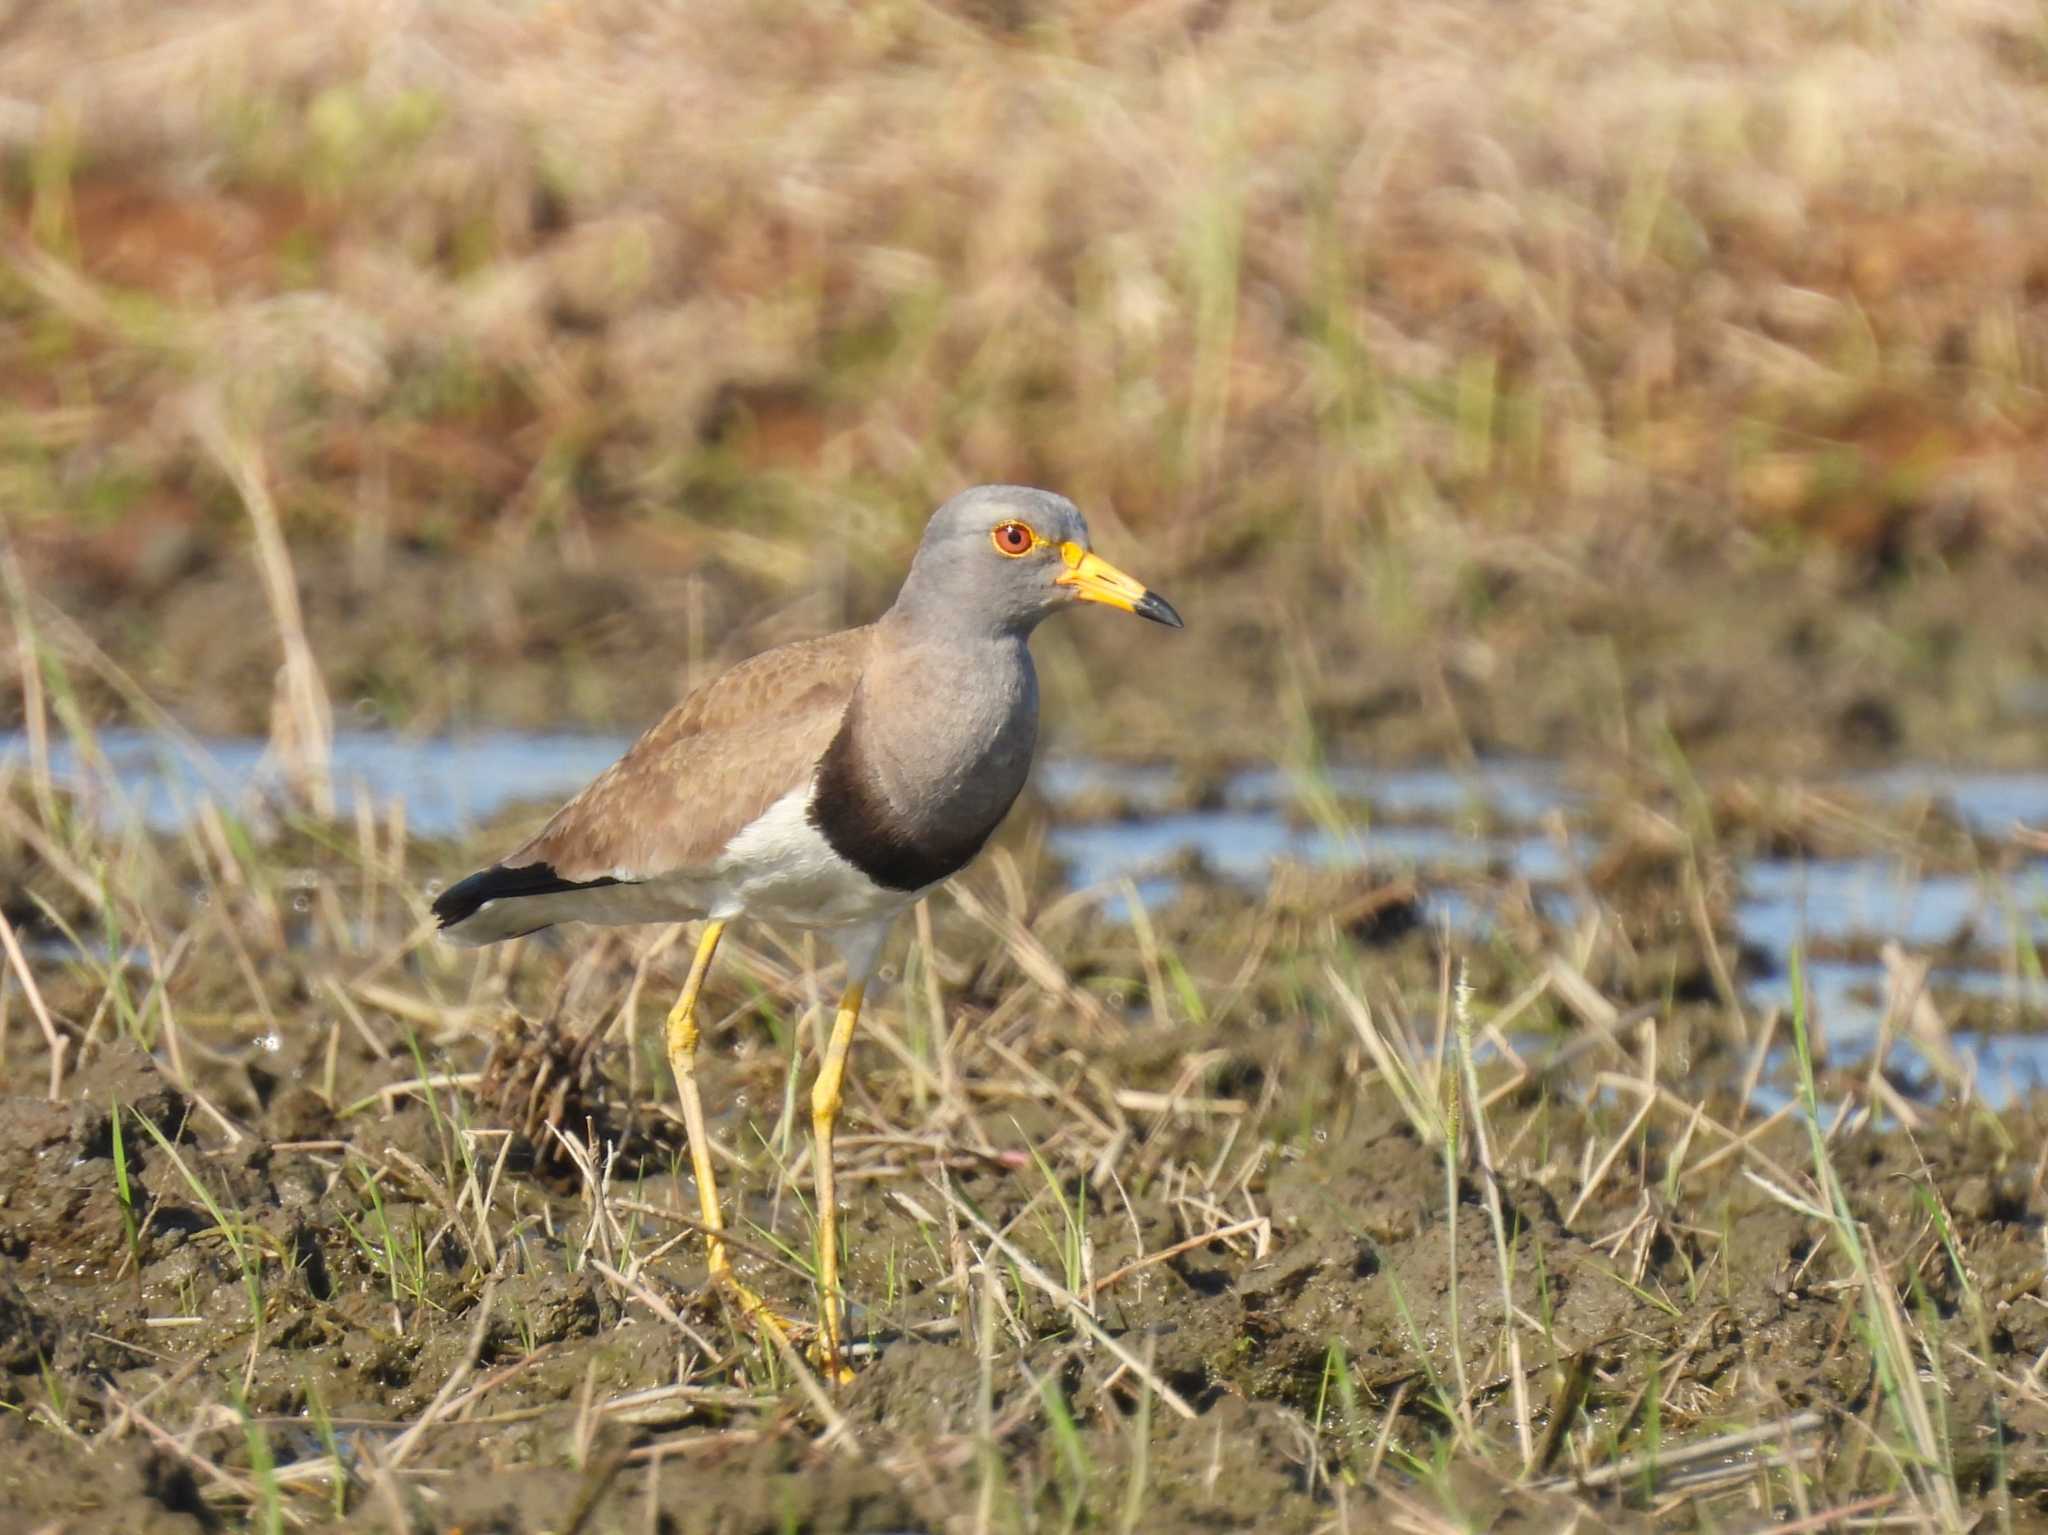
(682,1060)
(825,1099)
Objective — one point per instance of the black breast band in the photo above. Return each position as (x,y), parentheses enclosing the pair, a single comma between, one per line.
(860,824)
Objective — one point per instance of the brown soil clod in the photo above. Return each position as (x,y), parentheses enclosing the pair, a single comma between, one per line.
(542,1081)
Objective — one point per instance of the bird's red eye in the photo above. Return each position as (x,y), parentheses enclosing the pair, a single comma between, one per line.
(1012,538)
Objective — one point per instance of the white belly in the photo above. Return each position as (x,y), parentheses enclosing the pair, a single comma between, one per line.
(778,867)
(781,867)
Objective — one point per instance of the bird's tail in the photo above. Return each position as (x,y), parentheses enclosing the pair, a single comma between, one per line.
(503,902)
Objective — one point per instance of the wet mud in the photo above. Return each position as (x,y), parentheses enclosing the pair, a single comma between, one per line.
(1145,1229)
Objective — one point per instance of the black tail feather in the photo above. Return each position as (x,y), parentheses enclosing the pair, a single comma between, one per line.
(461,901)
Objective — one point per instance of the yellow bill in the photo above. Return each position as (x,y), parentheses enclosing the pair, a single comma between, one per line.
(1094,579)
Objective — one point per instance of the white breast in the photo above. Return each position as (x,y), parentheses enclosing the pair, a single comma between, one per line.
(781,867)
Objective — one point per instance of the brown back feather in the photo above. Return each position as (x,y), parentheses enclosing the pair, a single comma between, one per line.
(708,767)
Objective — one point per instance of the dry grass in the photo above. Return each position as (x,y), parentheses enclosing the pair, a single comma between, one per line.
(1400,310)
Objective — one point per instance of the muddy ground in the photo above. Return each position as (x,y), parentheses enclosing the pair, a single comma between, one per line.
(376,1235)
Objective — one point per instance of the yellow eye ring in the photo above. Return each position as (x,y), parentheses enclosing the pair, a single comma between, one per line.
(1013,539)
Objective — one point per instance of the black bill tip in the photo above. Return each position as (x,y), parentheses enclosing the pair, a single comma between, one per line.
(1159,610)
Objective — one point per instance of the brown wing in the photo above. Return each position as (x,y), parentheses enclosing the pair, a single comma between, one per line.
(711,765)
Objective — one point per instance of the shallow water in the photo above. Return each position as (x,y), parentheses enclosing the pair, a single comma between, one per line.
(1465,835)
(1986,802)
(1841,899)
(1517,790)
(448,784)
(1243,845)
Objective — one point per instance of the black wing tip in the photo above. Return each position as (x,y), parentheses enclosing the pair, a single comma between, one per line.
(465,898)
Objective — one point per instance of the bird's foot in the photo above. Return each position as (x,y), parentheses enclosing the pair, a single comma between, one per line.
(761,1316)
(775,1327)
(831,1361)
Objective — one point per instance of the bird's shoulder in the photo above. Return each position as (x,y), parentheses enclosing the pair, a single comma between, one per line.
(710,766)
(797,678)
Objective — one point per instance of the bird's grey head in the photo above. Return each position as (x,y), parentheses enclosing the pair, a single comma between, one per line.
(999,558)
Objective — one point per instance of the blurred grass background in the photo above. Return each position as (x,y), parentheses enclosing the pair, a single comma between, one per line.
(1475,377)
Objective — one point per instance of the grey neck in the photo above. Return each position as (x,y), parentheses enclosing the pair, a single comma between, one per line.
(949,720)
(947,726)
(930,755)
(926,617)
